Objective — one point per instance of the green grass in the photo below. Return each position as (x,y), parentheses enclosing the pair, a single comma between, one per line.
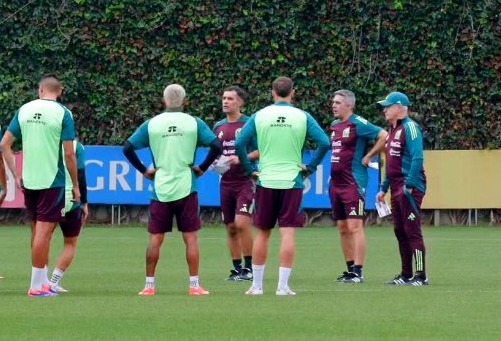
(462,302)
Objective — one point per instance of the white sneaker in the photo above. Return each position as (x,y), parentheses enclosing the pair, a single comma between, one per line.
(58,288)
(285,292)
(254,291)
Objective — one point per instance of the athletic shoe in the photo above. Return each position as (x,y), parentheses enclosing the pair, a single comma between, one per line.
(353,277)
(399,280)
(147,292)
(234,276)
(48,288)
(59,288)
(198,291)
(418,281)
(245,275)
(56,289)
(343,277)
(254,291)
(40,293)
(285,292)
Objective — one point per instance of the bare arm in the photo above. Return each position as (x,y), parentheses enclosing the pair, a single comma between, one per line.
(8,155)
(71,165)
(3,182)
(378,147)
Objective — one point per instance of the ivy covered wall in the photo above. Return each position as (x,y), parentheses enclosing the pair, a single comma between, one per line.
(115,58)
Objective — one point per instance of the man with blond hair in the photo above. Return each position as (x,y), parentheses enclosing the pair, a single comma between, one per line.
(173,137)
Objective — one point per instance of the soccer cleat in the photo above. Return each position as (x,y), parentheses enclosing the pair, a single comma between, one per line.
(234,276)
(343,277)
(285,292)
(245,275)
(353,277)
(147,292)
(418,281)
(198,291)
(40,293)
(399,280)
(254,291)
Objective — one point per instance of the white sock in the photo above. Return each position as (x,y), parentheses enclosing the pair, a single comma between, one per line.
(283,277)
(37,278)
(45,279)
(150,282)
(57,275)
(194,282)
(258,274)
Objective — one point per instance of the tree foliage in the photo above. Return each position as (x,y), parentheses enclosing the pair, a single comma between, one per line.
(116,57)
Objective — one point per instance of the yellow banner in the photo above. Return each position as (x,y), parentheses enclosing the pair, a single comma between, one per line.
(462,179)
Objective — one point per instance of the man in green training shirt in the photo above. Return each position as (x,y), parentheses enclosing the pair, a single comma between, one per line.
(43,125)
(281,131)
(172,138)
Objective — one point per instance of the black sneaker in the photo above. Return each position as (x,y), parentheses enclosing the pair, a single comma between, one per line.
(418,281)
(343,277)
(245,275)
(399,280)
(234,276)
(353,277)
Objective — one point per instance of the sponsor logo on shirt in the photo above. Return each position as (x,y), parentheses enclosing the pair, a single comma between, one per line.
(281,123)
(37,119)
(394,152)
(172,131)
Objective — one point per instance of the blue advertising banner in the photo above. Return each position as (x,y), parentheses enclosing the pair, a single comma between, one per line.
(111,179)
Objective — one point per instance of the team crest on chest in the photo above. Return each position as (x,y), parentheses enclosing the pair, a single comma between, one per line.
(397,134)
(220,135)
(237,131)
(346,132)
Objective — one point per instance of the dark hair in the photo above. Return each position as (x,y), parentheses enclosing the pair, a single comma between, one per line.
(238,90)
(283,86)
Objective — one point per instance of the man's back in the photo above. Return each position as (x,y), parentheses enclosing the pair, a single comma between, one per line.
(173,138)
(281,132)
(42,125)
(173,143)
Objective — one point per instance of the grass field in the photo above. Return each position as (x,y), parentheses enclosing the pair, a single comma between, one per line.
(462,302)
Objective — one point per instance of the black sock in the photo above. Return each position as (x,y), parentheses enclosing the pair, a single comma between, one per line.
(237,264)
(248,262)
(421,274)
(349,265)
(358,270)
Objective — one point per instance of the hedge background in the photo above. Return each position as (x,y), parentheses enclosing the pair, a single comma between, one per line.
(116,57)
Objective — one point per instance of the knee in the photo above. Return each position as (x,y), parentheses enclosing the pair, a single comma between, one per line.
(232,230)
